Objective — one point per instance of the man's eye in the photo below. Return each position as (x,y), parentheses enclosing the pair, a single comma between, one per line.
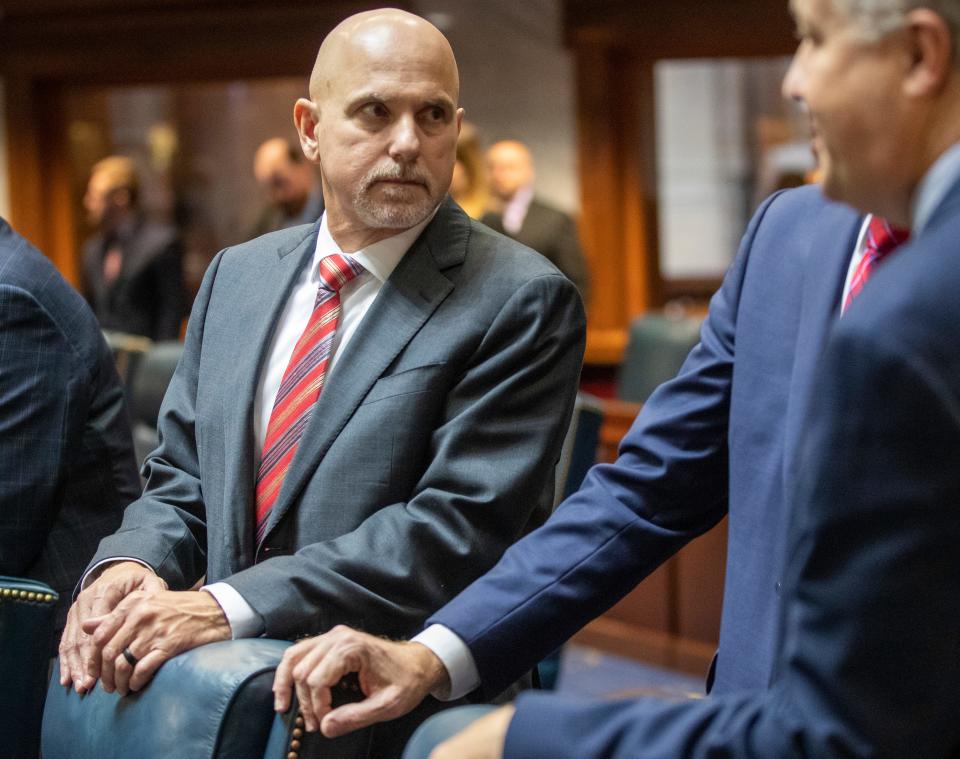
(436,114)
(376,110)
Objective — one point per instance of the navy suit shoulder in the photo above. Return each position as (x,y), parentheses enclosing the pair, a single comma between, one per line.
(866,657)
(66,456)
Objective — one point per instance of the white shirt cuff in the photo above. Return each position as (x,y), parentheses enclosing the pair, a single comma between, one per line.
(456,658)
(244,621)
(93,573)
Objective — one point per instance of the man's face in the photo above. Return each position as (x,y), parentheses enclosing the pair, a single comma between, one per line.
(286,184)
(851,88)
(510,168)
(101,199)
(387,135)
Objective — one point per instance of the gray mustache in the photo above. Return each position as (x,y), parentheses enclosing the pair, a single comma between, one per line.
(396,173)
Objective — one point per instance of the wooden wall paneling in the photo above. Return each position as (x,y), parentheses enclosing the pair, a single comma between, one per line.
(23,160)
(685,28)
(701,569)
(611,189)
(62,238)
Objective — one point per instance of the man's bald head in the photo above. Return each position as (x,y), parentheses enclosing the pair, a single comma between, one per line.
(374,35)
(382,121)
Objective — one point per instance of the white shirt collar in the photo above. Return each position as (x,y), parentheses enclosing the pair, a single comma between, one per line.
(934,186)
(380,258)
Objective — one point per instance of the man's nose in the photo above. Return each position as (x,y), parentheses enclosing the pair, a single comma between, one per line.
(792,87)
(405,142)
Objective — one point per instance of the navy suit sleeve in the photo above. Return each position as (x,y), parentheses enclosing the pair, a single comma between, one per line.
(38,403)
(668,485)
(868,656)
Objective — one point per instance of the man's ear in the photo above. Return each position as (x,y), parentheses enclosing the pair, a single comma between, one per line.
(306,117)
(931,48)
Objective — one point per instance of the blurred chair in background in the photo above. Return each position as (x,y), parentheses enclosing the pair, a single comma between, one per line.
(147,387)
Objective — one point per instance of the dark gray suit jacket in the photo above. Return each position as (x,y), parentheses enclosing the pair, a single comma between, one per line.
(66,457)
(147,296)
(431,449)
(553,234)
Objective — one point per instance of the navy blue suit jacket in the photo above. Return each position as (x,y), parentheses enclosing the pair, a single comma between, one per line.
(712,441)
(66,456)
(867,659)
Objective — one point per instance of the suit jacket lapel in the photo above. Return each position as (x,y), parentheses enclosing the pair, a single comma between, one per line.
(831,248)
(267,283)
(411,295)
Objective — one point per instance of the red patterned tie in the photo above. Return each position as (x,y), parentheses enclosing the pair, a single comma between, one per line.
(882,239)
(301,385)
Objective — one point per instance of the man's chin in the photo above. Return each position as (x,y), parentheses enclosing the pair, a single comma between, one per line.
(394,215)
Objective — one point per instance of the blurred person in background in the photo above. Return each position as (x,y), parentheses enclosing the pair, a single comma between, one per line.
(469,186)
(516,212)
(291,185)
(132,267)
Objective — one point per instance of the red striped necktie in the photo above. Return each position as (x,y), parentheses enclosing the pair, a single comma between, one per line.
(301,385)
(881,240)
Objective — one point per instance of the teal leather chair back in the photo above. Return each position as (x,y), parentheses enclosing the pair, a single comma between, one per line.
(656,348)
(26,629)
(214,702)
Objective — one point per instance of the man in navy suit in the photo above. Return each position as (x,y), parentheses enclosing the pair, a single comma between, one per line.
(859,657)
(66,457)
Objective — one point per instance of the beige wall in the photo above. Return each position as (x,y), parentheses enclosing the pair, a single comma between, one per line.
(516,81)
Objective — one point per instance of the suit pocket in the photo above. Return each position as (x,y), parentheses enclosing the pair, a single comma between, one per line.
(406,382)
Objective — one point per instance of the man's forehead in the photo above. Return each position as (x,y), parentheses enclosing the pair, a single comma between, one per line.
(420,80)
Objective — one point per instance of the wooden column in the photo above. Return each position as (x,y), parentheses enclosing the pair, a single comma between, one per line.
(618,192)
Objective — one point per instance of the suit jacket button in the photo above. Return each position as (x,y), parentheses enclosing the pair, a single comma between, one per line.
(776,587)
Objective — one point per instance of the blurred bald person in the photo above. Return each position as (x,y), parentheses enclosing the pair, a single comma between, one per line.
(368,410)
(517,212)
(291,185)
(132,267)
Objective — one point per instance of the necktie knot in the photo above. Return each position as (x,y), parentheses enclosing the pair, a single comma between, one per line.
(336,270)
(881,240)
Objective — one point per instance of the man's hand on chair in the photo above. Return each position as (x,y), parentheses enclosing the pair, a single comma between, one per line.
(394,677)
(79,653)
(147,628)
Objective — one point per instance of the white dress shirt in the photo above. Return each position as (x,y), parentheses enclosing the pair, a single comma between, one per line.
(447,645)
